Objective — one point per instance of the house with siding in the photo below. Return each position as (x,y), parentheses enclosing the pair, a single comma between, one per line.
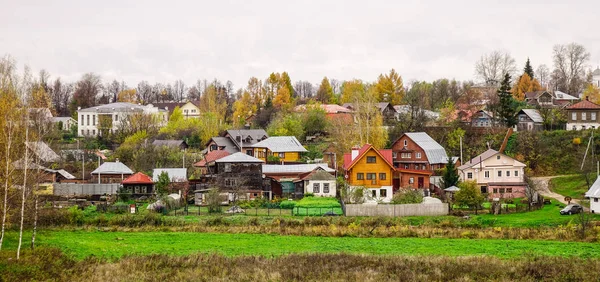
(583,115)
(318,182)
(111,172)
(372,169)
(286,148)
(138,185)
(290,180)
(530,120)
(496,174)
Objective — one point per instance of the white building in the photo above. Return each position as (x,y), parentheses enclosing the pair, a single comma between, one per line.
(110,116)
(318,182)
(65,122)
(596,77)
(594,195)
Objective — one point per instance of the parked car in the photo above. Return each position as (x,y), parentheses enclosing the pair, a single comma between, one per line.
(571,209)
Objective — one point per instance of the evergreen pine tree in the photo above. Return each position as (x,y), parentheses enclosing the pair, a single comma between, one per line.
(450,177)
(507,108)
(528,69)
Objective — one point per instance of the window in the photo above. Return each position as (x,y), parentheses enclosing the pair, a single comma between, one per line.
(411,180)
(227,168)
(573,116)
(583,127)
(424,167)
(583,116)
(382,193)
(483,189)
(88,119)
(371,159)
(382,176)
(405,155)
(93,132)
(405,166)
(574,127)
(486,174)
(508,190)
(87,132)
(371,176)
(137,189)
(516,173)
(116,117)
(213,147)
(360,176)
(501,190)
(498,157)
(499,173)
(394,155)
(325,187)
(81,119)
(82,132)
(595,200)
(593,116)
(374,193)
(495,190)
(281,155)
(144,189)
(469,175)
(418,155)
(316,187)
(405,143)
(508,173)
(93,120)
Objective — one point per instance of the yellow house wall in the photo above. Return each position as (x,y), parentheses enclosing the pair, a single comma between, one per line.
(380,166)
(289,156)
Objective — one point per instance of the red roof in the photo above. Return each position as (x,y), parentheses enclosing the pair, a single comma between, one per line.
(386,154)
(584,105)
(212,156)
(138,178)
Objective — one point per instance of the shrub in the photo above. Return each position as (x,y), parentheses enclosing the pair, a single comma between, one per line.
(76,215)
(408,196)
(288,205)
(309,195)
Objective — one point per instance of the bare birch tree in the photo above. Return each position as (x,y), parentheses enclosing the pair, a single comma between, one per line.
(492,67)
(569,67)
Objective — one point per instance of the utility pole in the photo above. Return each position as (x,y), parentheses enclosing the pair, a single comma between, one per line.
(461,153)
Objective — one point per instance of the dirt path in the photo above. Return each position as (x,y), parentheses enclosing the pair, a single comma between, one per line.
(543,186)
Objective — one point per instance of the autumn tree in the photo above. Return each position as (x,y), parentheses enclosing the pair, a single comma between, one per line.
(242,109)
(214,101)
(469,195)
(523,85)
(127,95)
(492,67)
(283,100)
(257,92)
(325,92)
(569,67)
(389,88)
(592,93)
(352,91)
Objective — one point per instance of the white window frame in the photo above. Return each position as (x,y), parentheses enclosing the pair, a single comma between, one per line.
(469,175)
(593,116)
(583,116)
(317,187)
(326,188)
(574,116)
(418,155)
(486,174)
(405,143)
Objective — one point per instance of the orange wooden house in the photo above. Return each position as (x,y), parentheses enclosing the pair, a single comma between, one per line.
(372,169)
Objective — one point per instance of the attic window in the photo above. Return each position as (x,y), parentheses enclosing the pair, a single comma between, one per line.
(371,159)
(405,143)
(497,157)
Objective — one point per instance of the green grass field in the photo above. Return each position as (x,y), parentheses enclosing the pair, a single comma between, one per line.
(573,186)
(113,245)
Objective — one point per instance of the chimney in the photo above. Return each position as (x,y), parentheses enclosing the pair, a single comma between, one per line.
(117,160)
(355,150)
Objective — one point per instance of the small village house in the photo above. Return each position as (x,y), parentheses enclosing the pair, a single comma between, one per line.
(543,99)
(111,172)
(482,118)
(530,120)
(594,195)
(188,109)
(318,182)
(238,174)
(219,143)
(583,115)
(290,180)
(496,174)
(176,144)
(64,123)
(285,148)
(208,158)
(138,185)
(372,169)
(237,140)
(108,118)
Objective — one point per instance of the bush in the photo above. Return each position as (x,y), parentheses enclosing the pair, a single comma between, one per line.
(309,195)
(76,215)
(288,205)
(408,196)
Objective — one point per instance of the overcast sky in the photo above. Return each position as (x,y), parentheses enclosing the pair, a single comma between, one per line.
(161,41)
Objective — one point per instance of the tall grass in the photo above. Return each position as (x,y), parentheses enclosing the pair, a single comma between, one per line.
(50,264)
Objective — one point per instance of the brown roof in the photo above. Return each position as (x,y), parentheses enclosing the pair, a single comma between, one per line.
(584,105)
(212,156)
(534,95)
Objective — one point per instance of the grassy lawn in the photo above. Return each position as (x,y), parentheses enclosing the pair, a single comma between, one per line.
(573,186)
(113,245)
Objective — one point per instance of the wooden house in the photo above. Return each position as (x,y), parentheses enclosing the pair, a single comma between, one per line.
(138,185)
(372,169)
(285,148)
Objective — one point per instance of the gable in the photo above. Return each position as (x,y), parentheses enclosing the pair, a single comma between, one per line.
(502,161)
(382,157)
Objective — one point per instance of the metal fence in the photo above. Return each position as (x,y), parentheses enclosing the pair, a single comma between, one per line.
(73,189)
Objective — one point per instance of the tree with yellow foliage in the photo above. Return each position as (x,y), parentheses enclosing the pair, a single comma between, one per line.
(352,90)
(242,109)
(525,84)
(283,99)
(127,95)
(390,88)
(592,93)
